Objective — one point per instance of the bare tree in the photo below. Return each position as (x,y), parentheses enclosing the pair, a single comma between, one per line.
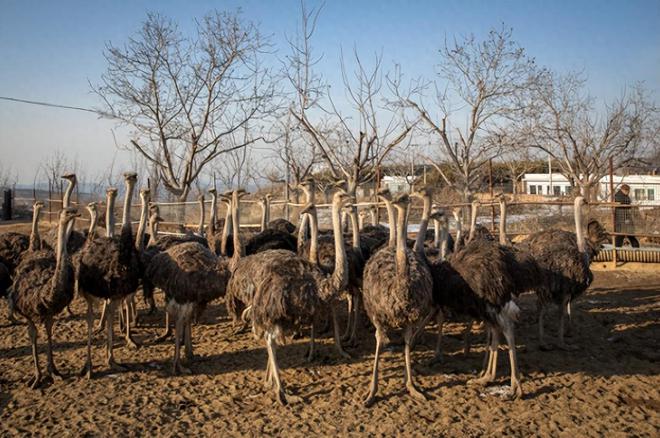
(582,137)
(185,96)
(485,81)
(8,177)
(352,143)
(515,154)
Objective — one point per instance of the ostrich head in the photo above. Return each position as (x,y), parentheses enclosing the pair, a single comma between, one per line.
(37,206)
(67,214)
(130,176)
(385,194)
(111,192)
(92,207)
(71,177)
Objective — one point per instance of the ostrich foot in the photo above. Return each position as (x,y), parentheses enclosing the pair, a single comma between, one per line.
(133,344)
(516,391)
(68,309)
(369,401)
(113,365)
(415,393)
(177,369)
(191,357)
(284,399)
(482,380)
(35,381)
(54,373)
(86,371)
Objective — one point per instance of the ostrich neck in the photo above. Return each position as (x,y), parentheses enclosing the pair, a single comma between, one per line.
(503,223)
(202,212)
(339,275)
(153,232)
(355,228)
(139,238)
(436,233)
(238,249)
(360,222)
(473,221)
(267,212)
(578,228)
(61,243)
(35,239)
(444,241)
(93,220)
(374,217)
(401,260)
(126,214)
(391,219)
(66,199)
(226,230)
(110,217)
(264,218)
(314,241)
(459,229)
(213,214)
(423,226)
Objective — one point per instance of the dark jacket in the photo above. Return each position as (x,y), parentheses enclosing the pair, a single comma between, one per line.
(623,215)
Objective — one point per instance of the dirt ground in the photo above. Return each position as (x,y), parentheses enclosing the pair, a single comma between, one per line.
(609,386)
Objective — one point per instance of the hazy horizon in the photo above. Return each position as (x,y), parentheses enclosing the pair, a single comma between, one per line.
(50,52)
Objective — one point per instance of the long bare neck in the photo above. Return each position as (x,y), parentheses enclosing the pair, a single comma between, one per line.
(153,231)
(264,218)
(401,260)
(314,240)
(126,214)
(235,216)
(444,240)
(226,230)
(340,274)
(391,219)
(267,211)
(202,212)
(35,239)
(436,233)
(110,217)
(423,226)
(355,228)
(459,229)
(61,242)
(374,216)
(66,199)
(139,238)
(93,220)
(578,225)
(503,240)
(473,221)
(214,213)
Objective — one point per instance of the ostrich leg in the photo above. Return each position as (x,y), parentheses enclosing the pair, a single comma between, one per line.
(562,323)
(128,305)
(373,387)
(335,326)
(356,320)
(52,370)
(109,322)
(168,329)
(440,320)
(281,395)
(87,368)
(491,367)
(349,318)
(541,313)
(32,332)
(312,345)
(102,319)
(516,389)
(187,338)
(410,384)
(179,328)
(467,341)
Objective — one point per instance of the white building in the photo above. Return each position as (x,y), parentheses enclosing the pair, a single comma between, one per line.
(396,184)
(644,189)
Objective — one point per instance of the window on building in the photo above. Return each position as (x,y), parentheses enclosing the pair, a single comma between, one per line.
(539,189)
(532,190)
(650,194)
(556,190)
(640,194)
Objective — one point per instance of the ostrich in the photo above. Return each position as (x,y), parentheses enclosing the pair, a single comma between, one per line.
(213,236)
(565,257)
(397,293)
(288,293)
(12,247)
(42,288)
(191,276)
(109,269)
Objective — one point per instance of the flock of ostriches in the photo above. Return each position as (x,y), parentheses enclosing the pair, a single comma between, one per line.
(282,281)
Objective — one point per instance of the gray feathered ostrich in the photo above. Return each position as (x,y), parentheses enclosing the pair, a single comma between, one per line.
(43,286)
(191,276)
(109,269)
(288,293)
(564,258)
(397,293)
(76,239)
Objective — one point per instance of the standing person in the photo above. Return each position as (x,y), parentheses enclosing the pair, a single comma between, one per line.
(624,218)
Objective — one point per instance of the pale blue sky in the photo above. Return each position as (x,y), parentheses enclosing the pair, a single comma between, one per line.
(50,50)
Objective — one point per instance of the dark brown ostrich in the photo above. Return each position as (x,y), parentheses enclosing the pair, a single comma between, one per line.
(565,257)
(12,247)
(43,286)
(109,269)
(191,276)
(288,294)
(397,293)
(477,282)
(282,224)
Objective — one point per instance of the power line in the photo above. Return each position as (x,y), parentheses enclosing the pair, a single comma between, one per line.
(52,105)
